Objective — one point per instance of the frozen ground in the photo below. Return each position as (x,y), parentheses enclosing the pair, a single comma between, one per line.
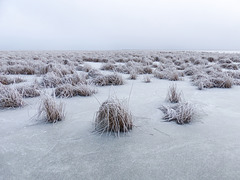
(207,148)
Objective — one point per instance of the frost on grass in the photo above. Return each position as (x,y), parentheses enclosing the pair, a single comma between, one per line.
(133,75)
(111,79)
(51,80)
(93,73)
(146,79)
(87,67)
(174,96)
(144,69)
(74,79)
(213,80)
(20,69)
(68,90)
(10,97)
(5,80)
(29,91)
(54,80)
(50,110)
(55,68)
(170,74)
(182,113)
(113,116)
(108,66)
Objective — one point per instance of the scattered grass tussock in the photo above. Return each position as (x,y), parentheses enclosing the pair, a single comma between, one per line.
(68,90)
(10,97)
(111,79)
(181,113)
(173,95)
(113,116)
(146,79)
(29,91)
(50,110)
(5,80)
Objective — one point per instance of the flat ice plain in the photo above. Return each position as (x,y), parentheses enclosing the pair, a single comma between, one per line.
(207,148)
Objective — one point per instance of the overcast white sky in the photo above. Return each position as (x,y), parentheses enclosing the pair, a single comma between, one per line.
(119,24)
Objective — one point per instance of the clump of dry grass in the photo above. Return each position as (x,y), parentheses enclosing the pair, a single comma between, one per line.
(181,113)
(235,76)
(123,68)
(133,75)
(87,67)
(55,68)
(7,80)
(229,66)
(74,79)
(50,110)
(64,91)
(68,90)
(146,79)
(173,95)
(189,71)
(85,90)
(213,80)
(51,80)
(147,70)
(111,79)
(172,75)
(155,65)
(20,69)
(93,73)
(10,97)
(143,69)
(108,66)
(89,59)
(210,59)
(18,80)
(29,91)
(225,82)
(113,116)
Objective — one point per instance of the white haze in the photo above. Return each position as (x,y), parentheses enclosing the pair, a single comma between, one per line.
(119,24)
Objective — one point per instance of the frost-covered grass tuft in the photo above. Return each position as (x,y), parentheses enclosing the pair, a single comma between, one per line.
(74,79)
(146,79)
(5,80)
(144,70)
(108,66)
(213,80)
(93,73)
(10,97)
(182,113)
(20,69)
(50,110)
(54,80)
(111,79)
(133,75)
(68,90)
(85,90)
(229,66)
(87,67)
(113,116)
(55,68)
(174,96)
(64,91)
(172,75)
(51,80)
(29,91)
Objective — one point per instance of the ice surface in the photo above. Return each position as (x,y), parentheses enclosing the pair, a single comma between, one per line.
(207,148)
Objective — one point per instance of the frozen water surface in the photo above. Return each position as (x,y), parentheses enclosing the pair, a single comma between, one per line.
(207,148)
